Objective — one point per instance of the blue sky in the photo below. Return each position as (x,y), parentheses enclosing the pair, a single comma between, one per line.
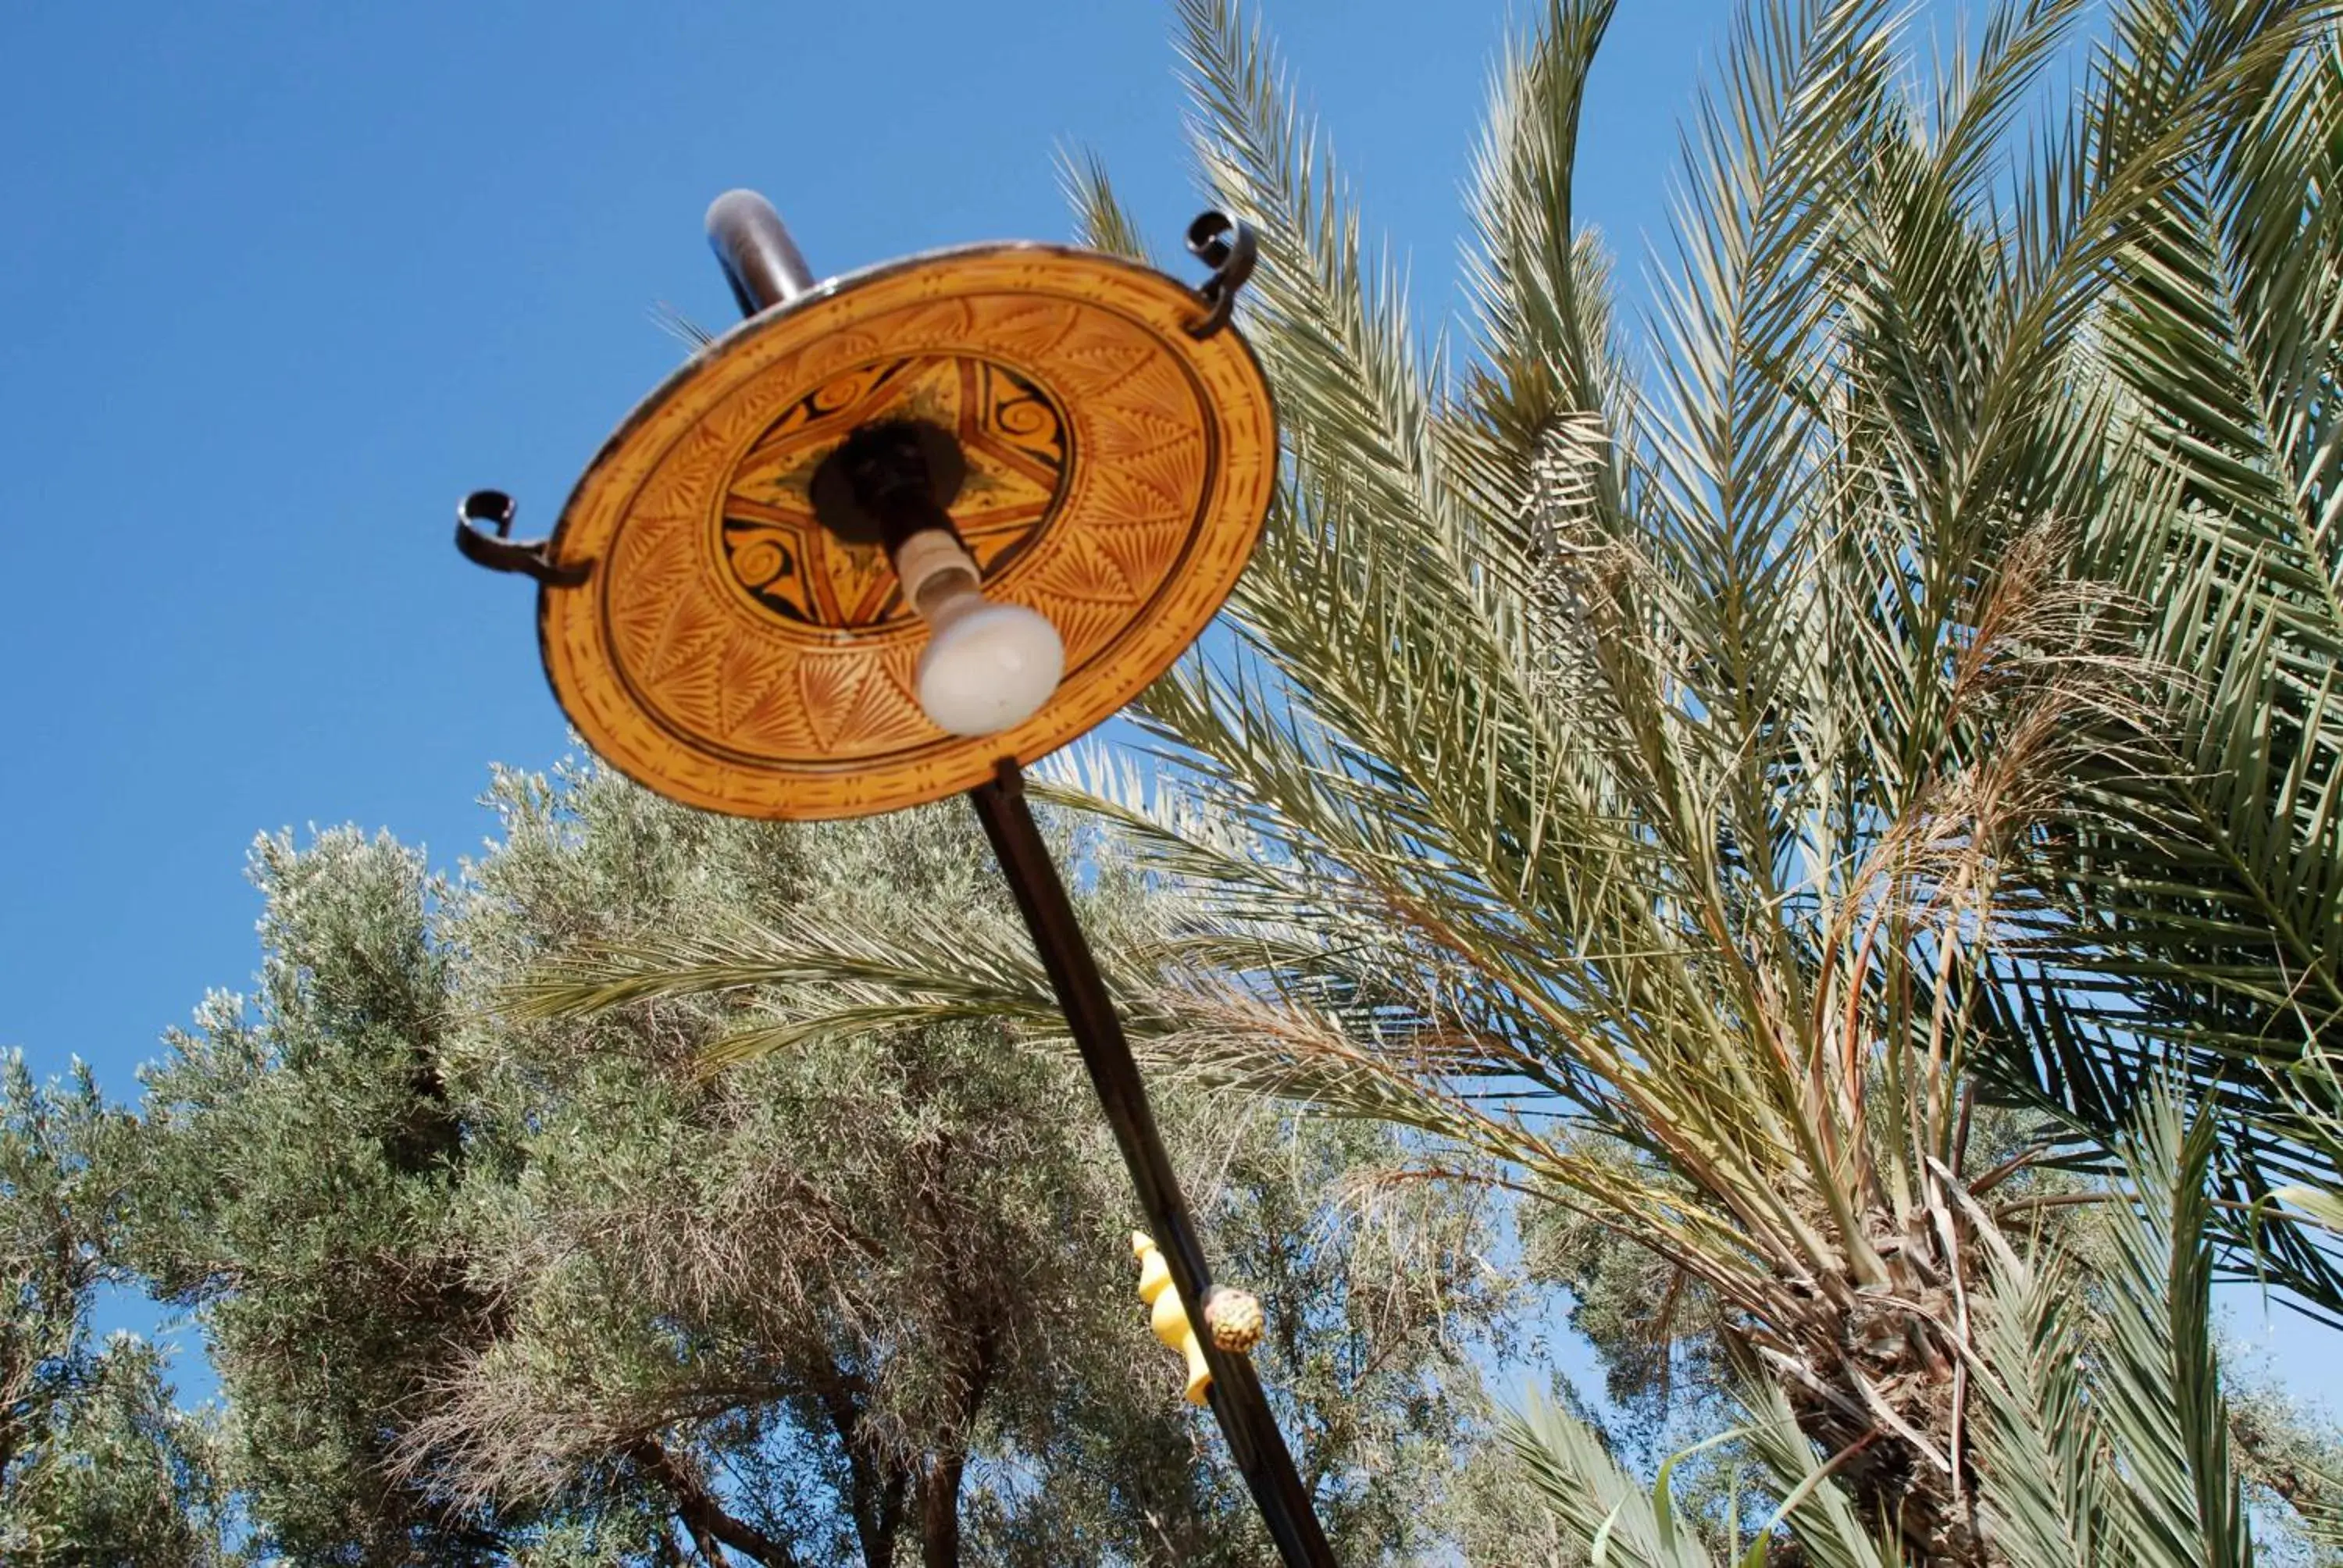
(283,281)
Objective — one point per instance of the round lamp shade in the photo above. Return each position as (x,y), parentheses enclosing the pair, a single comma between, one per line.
(711,638)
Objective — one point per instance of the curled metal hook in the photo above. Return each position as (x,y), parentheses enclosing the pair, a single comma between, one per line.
(499,551)
(1228,248)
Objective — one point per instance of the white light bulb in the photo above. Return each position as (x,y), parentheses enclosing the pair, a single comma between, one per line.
(987,667)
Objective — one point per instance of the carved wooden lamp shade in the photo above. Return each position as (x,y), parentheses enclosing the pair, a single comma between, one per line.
(713,632)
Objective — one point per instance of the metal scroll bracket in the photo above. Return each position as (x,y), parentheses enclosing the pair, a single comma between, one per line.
(500,552)
(1228,248)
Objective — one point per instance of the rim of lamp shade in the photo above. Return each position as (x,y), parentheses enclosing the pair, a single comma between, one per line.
(725,650)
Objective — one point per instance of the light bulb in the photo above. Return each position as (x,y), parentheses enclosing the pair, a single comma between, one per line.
(987,667)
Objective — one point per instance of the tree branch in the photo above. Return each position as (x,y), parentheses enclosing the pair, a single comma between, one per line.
(701,1513)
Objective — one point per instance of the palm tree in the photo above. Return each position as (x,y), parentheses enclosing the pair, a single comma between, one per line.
(2102,1436)
(1683,789)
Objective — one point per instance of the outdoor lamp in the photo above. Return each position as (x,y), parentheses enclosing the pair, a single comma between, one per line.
(898,534)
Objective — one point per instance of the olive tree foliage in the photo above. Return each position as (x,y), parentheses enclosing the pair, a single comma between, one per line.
(492,1279)
(96,1464)
(300,1183)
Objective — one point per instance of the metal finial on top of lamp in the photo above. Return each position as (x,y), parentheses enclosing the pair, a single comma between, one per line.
(898,534)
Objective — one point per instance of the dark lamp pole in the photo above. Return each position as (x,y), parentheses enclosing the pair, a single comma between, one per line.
(730,606)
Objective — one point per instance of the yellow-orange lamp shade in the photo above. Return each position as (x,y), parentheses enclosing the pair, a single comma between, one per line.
(727,651)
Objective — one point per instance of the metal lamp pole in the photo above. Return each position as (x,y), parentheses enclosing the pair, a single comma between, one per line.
(765,268)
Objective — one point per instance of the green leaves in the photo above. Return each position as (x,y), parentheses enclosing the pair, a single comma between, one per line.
(493,1265)
(2199,862)
(2102,1432)
(96,1462)
(1733,762)
(1621,1522)
(2105,1432)
(1679,775)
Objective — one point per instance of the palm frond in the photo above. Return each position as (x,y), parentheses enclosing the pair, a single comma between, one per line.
(2202,866)
(1598,1503)
(1543,376)
(1603,1509)
(797,979)
(2104,1431)
(1100,220)
(2160,1387)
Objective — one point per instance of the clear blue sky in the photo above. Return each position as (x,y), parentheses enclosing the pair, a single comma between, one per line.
(282,281)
